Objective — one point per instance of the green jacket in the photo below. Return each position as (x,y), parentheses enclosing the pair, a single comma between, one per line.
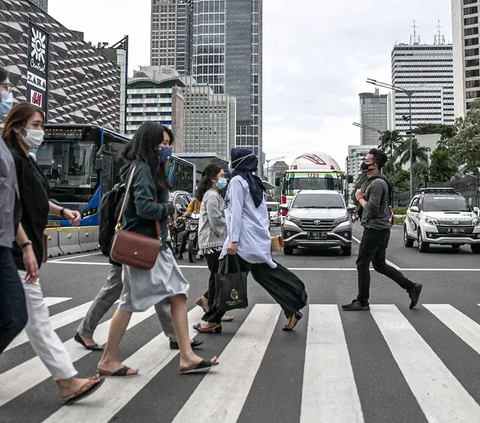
(140,210)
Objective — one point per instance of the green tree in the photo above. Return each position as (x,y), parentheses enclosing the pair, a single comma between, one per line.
(446,131)
(420,153)
(390,141)
(442,166)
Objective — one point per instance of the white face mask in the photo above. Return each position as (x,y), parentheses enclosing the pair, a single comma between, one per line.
(34,137)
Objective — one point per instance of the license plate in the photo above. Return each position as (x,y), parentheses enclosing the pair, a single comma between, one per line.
(457,230)
(317,235)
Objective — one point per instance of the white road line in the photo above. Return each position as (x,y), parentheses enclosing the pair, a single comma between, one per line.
(464,327)
(329,390)
(220,399)
(440,395)
(51,301)
(116,393)
(57,321)
(88,263)
(426,269)
(387,261)
(75,257)
(25,376)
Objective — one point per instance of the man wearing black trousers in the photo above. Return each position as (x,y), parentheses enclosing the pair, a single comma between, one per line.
(373,247)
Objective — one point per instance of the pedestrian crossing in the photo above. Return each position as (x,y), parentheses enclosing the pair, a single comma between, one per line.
(325,364)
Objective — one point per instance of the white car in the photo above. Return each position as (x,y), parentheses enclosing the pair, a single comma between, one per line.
(441,216)
(274,212)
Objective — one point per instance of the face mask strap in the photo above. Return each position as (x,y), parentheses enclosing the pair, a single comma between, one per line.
(241,160)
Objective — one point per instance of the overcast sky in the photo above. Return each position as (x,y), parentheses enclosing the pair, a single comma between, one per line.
(317,56)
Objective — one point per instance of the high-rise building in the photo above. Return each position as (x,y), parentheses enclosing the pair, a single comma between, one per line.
(42,4)
(466,54)
(172,34)
(210,121)
(228,57)
(427,71)
(373,113)
(355,158)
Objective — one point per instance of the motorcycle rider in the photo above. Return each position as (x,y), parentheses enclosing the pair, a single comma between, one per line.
(193,207)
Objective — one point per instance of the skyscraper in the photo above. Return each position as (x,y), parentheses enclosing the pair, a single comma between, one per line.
(228,57)
(427,71)
(373,113)
(42,4)
(466,54)
(171,34)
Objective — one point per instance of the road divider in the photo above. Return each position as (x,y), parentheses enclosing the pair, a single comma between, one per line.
(71,240)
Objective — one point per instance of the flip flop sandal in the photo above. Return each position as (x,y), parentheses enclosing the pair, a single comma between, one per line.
(80,394)
(203,367)
(228,319)
(212,329)
(123,372)
(94,347)
(293,321)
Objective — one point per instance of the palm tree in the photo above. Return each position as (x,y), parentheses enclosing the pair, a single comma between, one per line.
(389,143)
(420,153)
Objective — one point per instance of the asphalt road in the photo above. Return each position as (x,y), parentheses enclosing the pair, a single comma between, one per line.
(390,364)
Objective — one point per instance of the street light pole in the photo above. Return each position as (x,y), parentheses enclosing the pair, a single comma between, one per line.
(268,164)
(409,94)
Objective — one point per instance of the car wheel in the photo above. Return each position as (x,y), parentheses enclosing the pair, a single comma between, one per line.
(423,247)
(475,248)
(347,251)
(408,242)
(288,251)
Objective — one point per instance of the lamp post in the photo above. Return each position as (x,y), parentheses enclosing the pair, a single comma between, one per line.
(368,128)
(409,94)
(268,164)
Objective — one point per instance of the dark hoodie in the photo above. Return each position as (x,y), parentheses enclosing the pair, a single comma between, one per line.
(140,210)
(376,212)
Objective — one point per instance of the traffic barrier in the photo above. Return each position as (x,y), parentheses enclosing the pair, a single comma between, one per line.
(53,247)
(68,240)
(88,237)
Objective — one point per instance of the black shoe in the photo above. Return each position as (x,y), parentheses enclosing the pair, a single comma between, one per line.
(356,305)
(195,344)
(415,295)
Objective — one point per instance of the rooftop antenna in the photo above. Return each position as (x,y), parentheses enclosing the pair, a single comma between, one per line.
(439,37)
(415,39)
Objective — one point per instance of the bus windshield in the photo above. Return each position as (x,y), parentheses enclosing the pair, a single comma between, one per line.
(294,182)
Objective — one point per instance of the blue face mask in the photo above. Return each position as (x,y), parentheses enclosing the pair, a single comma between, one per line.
(164,153)
(230,168)
(6,103)
(222,183)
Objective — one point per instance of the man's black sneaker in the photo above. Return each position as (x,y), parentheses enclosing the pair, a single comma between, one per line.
(415,295)
(195,344)
(356,305)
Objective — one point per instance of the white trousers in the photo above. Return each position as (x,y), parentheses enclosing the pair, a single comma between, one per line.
(44,340)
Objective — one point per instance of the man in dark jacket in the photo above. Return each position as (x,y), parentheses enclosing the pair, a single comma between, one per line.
(373,247)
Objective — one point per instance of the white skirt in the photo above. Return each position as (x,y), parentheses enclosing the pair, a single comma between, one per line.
(143,289)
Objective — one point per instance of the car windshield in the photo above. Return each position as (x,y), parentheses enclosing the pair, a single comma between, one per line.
(318,201)
(452,203)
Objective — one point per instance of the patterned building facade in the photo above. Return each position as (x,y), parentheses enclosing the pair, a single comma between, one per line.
(84,86)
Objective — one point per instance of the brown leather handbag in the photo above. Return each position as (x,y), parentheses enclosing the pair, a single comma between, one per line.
(134,249)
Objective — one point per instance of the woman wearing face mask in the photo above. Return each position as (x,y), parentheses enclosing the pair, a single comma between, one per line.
(147,202)
(212,234)
(23,131)
(248,236)
(13,308)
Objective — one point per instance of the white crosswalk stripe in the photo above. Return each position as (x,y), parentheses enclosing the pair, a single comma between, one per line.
(329,389)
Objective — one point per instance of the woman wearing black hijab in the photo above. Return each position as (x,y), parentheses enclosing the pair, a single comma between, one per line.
(248,236)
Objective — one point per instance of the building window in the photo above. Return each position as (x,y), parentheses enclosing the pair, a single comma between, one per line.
(473,62)
(472,73)
(471,31)
(471,42)
(467,2)
(472,84)
(473,94)
(470,10)
(472,52)
(471,21)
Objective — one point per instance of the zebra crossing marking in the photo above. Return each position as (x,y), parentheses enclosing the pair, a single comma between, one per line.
(440,395)
(464,327)
(221,399)
(51,301)
(57,321)
(30,373)
(329,389)
(117,393)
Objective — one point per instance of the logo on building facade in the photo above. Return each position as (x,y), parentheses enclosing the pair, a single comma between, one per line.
(37,66)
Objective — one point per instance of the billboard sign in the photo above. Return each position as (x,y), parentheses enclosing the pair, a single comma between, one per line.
(37,66)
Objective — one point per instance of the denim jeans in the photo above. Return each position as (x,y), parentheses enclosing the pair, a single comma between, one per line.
(13,306)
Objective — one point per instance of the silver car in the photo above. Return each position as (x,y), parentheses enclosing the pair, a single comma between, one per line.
(318,219)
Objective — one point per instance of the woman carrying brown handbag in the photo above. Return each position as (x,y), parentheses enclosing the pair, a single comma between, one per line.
(149,153)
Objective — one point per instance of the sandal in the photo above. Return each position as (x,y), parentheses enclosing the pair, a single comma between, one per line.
(203,367)
(292,321)
(82,392)
(217,328)
(94,347)
(122,372)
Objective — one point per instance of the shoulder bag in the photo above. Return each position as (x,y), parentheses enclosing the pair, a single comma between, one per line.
(134,249)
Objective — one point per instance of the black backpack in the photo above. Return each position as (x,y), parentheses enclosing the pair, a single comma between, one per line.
(109,210)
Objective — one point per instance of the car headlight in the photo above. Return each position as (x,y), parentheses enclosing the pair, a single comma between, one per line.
(476,221)
(295,220)
(342,219)
(431,221)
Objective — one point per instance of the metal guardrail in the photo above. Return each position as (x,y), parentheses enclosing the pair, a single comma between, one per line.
(71,240)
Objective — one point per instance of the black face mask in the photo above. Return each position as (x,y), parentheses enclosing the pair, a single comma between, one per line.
(366,167)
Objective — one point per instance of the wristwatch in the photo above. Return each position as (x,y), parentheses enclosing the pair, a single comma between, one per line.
(25,245)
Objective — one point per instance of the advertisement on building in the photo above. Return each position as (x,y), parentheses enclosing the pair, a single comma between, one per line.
(37,66)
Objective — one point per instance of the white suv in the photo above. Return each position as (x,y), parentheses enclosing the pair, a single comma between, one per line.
(441,216)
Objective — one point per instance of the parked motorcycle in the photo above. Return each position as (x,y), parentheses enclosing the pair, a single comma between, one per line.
(192,236)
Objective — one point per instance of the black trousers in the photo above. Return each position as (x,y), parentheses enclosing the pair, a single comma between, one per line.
(284,286)
(373,249)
